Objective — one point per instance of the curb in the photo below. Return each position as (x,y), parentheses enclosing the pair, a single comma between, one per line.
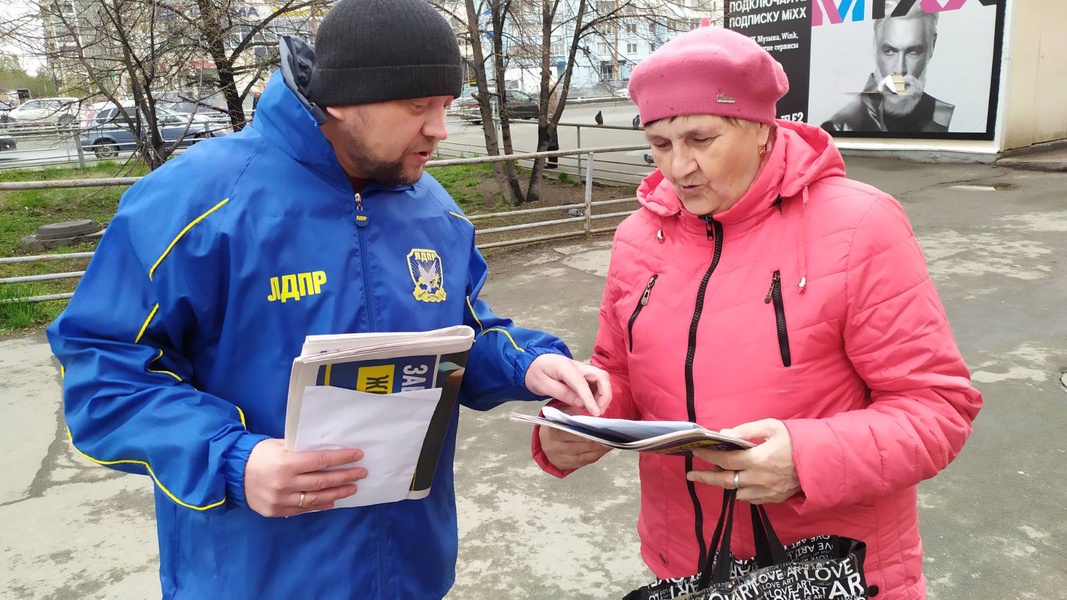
(1047,166)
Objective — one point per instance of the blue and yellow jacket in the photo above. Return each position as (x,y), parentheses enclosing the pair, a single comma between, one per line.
(178,343)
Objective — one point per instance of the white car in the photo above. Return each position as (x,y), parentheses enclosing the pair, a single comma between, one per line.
(56,111)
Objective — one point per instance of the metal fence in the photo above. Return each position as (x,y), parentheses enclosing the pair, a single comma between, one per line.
(589,218)
(40,145)
(43,145)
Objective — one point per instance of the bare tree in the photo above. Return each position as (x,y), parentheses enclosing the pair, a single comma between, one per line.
(139,49)
(242,43)
(115,49)
(526,31)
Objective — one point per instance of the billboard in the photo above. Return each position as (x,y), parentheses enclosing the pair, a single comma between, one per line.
(925,69)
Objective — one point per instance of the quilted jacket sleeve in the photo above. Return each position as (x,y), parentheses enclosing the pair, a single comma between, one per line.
(898,339)
(609,353)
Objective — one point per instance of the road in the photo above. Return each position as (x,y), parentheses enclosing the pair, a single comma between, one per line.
(36,150)
(578,130)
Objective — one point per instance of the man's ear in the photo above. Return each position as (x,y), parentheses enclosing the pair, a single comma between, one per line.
(335,113)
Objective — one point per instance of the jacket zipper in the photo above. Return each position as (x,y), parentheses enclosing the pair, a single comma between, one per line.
(361,224)
(775,294)
(637,310)
(714,231)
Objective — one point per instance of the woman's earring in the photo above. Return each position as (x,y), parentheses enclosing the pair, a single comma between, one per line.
(763,152)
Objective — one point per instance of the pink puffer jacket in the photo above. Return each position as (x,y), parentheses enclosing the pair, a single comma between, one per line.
(807,301)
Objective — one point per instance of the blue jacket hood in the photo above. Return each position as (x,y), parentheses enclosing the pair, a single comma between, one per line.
(286,118)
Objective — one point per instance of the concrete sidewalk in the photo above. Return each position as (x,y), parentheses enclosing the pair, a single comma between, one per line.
(994,523)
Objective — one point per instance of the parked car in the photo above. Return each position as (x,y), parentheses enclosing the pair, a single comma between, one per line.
(212,108)
(106,131)
(520,105)
(466,104)
(45,111)
(603,89)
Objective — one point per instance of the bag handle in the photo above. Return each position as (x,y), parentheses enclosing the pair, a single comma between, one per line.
(769,549)
(717,567)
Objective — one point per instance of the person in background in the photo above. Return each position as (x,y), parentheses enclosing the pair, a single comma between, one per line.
(318,218)
(895,98)
(257,91)
(549,134)
(761,292)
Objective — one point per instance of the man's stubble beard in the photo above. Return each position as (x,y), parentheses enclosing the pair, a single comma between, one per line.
(388,172)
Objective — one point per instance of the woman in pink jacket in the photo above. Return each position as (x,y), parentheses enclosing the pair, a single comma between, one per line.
(761,292)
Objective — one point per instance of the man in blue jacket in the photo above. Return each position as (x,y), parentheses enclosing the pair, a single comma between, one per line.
(177,345)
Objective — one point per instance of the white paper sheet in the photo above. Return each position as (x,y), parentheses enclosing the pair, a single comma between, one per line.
(389,429)
(621,428)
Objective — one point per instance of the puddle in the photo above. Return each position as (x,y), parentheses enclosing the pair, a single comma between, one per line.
(996,187)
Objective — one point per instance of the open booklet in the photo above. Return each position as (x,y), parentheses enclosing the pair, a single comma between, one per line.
(391,395)
(658,437)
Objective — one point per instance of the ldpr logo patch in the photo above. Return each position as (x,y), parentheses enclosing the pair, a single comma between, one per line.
(428,275)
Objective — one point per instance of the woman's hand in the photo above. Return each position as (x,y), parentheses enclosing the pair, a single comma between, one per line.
(766,474)
(567,451)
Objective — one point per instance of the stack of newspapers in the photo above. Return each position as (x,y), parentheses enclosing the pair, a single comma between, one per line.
(392,395)
(658,437)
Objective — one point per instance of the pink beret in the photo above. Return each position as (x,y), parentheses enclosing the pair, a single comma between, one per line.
(708,71)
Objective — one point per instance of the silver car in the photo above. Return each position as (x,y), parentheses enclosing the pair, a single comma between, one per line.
(106,130)
(45,111)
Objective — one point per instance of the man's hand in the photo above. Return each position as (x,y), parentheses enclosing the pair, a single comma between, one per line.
(569,381)
(766,473)
(567,451)
(279,483)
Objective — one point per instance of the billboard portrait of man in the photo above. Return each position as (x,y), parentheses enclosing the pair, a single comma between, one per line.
(894,98)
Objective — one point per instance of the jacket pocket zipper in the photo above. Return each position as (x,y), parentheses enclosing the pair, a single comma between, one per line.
(775,295)
(637,309)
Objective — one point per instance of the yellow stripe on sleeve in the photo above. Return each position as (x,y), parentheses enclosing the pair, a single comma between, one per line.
(151,473)
(161,371)
(476,319)
(505,332)
(144,326)
(173,242)
(459,216)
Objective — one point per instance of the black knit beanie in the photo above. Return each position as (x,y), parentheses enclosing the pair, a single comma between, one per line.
(370,51)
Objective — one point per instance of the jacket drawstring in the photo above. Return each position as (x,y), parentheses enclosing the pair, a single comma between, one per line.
(803,242)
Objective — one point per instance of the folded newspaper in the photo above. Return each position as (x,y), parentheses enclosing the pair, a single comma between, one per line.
(392,395)
(657,437)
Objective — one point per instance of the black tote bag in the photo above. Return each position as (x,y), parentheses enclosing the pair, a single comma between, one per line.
(825,567)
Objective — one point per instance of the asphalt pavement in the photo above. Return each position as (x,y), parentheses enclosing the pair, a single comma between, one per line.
(994,523)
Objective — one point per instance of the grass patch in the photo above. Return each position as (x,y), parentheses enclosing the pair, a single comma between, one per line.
(22,212)
(18,316)
(464,183)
